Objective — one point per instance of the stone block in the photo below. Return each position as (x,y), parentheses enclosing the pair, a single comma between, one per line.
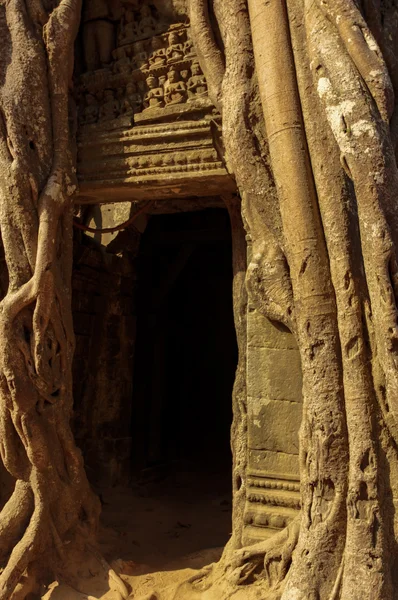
(273,464)
(82,301)
(90,257)
(88,272)
(84,284)
(107,216)
(122,265)
(274,374)
(274,425)
(263,333)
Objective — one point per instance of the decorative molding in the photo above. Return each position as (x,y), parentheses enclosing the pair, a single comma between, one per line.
(268,519)
(285,501)
(271,502)
(123,131)
(274,484)
(189,168)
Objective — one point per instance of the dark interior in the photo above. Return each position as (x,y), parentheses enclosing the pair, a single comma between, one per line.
(154,373)
(186,352)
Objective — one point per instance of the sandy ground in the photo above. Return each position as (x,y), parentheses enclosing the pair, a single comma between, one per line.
(157,535)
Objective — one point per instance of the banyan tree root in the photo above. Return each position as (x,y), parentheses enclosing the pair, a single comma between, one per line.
(262,566)
(270,558)
(52,509)
(319,181)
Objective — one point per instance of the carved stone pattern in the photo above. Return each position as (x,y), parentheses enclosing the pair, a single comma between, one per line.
(274,484)
(267,519)
(170,127)
(177,169)
(148,72)
(275,500)
(271,504)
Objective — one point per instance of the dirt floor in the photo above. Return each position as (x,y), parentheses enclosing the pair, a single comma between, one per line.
(157,534)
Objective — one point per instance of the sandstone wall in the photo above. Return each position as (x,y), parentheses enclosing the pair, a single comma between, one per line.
(104,320)
(274,416)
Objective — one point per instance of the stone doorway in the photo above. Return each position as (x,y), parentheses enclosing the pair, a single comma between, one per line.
(154,372)
(186,351)
(140,323)
(185,362)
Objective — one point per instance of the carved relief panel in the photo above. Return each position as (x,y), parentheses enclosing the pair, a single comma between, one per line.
(136,62)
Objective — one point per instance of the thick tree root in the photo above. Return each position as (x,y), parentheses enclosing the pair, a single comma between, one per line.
(28,586)
(246,572)
(85,571)
(266,555)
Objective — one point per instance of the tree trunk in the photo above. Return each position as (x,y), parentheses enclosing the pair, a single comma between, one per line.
(308,91)
(52,507)
(309,125)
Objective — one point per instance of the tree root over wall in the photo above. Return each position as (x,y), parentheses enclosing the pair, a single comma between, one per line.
(309,104)
(308,94)
(52,509)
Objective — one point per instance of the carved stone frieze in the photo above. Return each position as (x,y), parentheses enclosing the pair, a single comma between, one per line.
(145,116)
(271,503)
(273,484)
(166,160)
(152,69)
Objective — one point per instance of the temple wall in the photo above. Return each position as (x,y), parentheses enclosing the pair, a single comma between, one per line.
(149,134)
(104,321)
(274,415)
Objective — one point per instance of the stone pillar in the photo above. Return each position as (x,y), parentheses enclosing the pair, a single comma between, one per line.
(274,416)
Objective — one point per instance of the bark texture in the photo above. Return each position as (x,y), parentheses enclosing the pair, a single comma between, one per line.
(309,105)
(308,93)
(52,507)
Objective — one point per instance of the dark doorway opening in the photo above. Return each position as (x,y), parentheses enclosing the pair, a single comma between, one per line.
(186,352)
(185,362)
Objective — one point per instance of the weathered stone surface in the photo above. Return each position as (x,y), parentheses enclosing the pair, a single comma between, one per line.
(274,373)
(266,463)
(264,333)
(273,425)
(103,313)
(274,414)
(179,160)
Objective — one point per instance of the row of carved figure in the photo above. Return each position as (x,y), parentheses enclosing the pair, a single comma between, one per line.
(177,88)
(105,21)
(136,26)
(158,52)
